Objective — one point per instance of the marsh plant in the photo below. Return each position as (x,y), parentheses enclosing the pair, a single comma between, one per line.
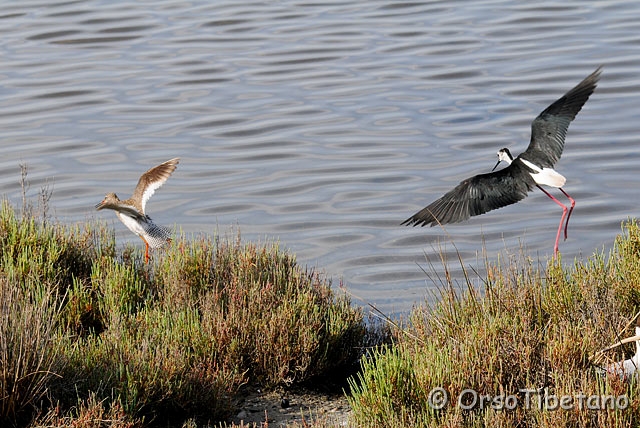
(515,352)
(91,333)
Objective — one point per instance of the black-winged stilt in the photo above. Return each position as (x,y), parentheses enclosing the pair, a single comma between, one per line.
(485,192)
(131,211)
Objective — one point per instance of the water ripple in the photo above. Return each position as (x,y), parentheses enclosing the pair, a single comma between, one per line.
(323,124)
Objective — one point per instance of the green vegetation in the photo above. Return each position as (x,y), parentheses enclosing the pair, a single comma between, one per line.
(527,331)
(90,337)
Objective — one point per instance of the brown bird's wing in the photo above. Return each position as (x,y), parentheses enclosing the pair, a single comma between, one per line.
(151,180)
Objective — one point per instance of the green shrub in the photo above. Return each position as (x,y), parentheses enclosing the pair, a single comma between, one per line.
(92,331)
(527,330)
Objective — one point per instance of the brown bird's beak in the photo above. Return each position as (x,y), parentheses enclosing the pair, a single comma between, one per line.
(100,205)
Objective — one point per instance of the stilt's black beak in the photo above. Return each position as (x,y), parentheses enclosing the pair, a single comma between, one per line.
(494,168)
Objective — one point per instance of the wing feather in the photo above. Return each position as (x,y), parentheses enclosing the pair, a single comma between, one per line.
(549,129)
(477,195)
(151,180)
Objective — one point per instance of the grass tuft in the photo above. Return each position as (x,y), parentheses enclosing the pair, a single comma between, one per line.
(526,330)
(29,356)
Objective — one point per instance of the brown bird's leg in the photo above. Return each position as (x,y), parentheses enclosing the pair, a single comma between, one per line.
(564,214)
(146,250)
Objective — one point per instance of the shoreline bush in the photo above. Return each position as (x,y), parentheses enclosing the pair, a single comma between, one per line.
(527,337)
(99,332)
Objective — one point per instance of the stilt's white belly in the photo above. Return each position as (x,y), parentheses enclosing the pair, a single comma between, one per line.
(546,176)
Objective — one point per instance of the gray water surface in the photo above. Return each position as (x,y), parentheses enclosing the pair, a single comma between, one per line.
(323,125)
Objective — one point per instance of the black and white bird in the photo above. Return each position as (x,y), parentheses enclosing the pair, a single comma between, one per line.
(534,167)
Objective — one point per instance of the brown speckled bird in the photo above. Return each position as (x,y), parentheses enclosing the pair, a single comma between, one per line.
(131,211)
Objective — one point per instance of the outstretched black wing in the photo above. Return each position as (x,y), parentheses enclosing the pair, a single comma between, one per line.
(549,129)
(477,195)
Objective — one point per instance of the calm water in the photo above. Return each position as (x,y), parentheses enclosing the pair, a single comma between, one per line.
(323,125)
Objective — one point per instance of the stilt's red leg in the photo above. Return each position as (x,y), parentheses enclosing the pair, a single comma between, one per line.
(573,204)
(564,214)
